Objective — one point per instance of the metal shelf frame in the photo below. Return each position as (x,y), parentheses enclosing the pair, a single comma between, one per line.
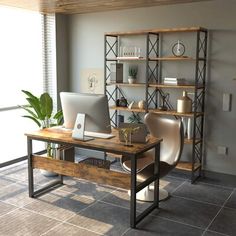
(155,94)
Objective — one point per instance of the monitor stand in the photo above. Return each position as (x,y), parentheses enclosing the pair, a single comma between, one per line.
(78,131)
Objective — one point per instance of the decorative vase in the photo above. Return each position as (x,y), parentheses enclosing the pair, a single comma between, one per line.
(189,129)
(51,152)
(141,104)
(184,104)
(131,79)
(184,126)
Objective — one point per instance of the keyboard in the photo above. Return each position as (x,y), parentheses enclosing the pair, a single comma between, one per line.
(98,135)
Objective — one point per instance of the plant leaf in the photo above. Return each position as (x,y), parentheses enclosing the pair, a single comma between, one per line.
(35,120)
(29,94)
(46,105)
(29,111)
(35,103)
(59,117)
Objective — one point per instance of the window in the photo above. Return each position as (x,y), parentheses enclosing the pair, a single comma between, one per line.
(26,62)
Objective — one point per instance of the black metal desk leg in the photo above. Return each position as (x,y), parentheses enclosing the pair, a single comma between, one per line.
(30,167)
(157,171)
(133,192)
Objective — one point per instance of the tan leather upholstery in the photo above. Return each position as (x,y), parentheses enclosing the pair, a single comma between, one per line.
(171,131)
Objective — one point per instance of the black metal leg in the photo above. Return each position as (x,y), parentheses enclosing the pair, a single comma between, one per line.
(157,172)
(133,192)
(30,168)
(134,220)
(33,193)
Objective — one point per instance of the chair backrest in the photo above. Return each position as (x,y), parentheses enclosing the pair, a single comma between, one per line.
(171,131)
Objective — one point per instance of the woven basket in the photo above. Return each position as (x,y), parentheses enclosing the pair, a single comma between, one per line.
(97,162)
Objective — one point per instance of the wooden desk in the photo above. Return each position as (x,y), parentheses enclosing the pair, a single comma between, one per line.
(92,173)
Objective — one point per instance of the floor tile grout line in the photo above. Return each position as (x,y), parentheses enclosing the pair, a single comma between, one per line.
(176,221)
(9,185)
(218,233)
(175,177)
(62,221)
(66,221)
(178,187)
(9,212)
(51,229)
(127,230)
(218,213)
(96,201)
(217,185)
(151,214)
(194,200)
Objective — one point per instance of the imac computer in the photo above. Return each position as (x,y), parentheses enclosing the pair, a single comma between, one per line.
(93,108)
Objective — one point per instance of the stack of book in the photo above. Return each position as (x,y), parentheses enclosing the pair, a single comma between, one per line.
(173,81)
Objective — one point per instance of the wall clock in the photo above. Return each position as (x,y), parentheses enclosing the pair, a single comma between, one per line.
(178,49)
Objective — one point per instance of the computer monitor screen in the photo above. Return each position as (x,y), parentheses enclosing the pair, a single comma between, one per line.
(94,106)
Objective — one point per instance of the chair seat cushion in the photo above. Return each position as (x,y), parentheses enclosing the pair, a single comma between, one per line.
(145,168)
(142,162)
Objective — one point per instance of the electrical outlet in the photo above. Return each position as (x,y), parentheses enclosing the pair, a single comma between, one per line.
(222,150)
(226,106)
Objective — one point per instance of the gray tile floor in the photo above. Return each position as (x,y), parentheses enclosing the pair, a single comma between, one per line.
(83,208)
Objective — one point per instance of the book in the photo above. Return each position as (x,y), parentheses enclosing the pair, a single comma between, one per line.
(174,81)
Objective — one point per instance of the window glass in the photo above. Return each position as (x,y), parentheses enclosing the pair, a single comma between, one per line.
(20,54)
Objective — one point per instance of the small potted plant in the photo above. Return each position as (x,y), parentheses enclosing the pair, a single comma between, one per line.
(133,71)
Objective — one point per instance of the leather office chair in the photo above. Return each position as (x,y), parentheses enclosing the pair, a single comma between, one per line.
(171,149)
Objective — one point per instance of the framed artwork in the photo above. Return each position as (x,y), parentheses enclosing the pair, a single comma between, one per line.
(92,80)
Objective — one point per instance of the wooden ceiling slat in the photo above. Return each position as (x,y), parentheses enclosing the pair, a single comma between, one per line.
(87,6)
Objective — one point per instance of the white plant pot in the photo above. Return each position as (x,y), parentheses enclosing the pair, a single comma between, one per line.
(131,80)
(48,173)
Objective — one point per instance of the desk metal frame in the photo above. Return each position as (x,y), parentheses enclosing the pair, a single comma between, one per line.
(135,187)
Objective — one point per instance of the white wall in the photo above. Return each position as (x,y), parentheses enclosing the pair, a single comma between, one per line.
(86,40)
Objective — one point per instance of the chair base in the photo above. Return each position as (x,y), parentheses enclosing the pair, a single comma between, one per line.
(147,194)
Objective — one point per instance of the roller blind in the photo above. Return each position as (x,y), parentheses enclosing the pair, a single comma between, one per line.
(49,56)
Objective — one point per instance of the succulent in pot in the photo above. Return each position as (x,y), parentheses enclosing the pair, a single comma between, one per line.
(133,71)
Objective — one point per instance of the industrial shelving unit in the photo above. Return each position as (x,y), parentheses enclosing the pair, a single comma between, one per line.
(154,88)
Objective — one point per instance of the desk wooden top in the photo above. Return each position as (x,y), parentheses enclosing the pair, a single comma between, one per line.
(58,135)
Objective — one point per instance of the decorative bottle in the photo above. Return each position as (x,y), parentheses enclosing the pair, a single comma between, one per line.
(184,104)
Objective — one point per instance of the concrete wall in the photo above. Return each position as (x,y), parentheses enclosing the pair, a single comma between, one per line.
(86,50)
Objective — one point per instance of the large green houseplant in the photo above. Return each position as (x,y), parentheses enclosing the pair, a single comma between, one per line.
(40,110)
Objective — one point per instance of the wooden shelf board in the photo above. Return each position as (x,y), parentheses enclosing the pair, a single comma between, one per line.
(174,113)
(127,109)
(128,85)
(131,59)
(111,59)
(187,166)
(180,86)
(167,30)
(190,141)
(173,58)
